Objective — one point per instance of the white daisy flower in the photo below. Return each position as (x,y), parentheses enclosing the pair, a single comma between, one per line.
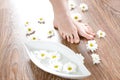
(92,45)
(69,67)
(96,59)
(76,17)
(101,34)
(41,54)
(29,30)
(26,23)
(41,21)
(83,7)
(57,66)
(71,4)
(33,37)
(54,56)
(50,33)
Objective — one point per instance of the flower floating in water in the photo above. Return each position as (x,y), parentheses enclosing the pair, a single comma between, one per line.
(54,56)
(92,45)
(69,67)
(96,59)
(101,34)
(71,4)
(57,66)
(41,54)
(41,21)
(50,33)
(83,7)
(76,17)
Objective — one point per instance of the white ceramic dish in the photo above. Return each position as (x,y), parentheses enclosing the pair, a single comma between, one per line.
(68,54)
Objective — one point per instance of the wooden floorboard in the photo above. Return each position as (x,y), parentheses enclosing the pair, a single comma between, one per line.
(103,14)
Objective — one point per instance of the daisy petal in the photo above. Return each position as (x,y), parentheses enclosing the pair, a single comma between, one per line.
(71,4)
(76,17)
(96,59)
(83,7)
(41,21)
(54,56)
(92,45)
(57,66)
(101,34)
(41,54)
(69,67)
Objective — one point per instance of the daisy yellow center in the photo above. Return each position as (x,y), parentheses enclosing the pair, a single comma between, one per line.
(71,4)
(76,17)
(91,45)
(34,38)
(56,66)
(29,29)
(101,33)
(27,23)
(53,57)
(50,32)
(69,68)
(41,19)
(42,54)
(83,7)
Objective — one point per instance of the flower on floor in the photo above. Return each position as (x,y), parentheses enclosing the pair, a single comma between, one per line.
(76,17)
(26,23)
(83,7)
(41,21)
(29,30)
(92,45)
(101,34)
(54,56)
(71,4)
(57,66)
(33,37)
(50,33)
(41,54)
(96,59)
(69,67)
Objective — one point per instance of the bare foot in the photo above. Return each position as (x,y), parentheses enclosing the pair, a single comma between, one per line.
(71,30)
(84,30)
(63,21)
(66,28)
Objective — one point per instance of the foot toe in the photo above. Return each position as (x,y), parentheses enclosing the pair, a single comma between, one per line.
(76,38)
(87,36)
(90,32)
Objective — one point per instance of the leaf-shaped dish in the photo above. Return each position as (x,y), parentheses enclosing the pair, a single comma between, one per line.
(67,56)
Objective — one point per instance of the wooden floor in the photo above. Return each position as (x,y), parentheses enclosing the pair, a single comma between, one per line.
(16,65)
